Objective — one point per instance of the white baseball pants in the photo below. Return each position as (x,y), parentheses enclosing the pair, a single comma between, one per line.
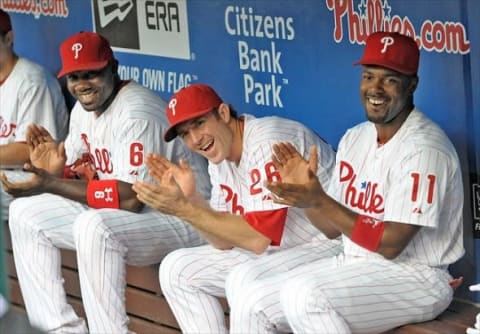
(105,241)
(193,278)
(336,295)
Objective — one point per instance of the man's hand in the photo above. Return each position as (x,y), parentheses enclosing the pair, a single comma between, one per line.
(300,186)
(183,175)
(293,168)
(166,196)
(44,151)
(35,185)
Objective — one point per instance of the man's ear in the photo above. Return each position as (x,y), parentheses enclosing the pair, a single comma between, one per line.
(9,38)
(224,112)
(413,85)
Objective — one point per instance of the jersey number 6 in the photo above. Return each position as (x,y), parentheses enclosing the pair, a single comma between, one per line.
(136,154)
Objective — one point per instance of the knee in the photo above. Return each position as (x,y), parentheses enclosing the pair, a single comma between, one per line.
(248,303)
(22,220)
(174,270)
(240,278)
(296,297)
(90,229)
(86,224)
(16,210)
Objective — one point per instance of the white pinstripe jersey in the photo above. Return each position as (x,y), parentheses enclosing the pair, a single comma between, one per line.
(414,178)
(239,189)
(118,140)
(29,95)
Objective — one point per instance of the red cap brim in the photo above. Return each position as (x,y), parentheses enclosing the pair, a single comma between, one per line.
(171,133)
(82,67)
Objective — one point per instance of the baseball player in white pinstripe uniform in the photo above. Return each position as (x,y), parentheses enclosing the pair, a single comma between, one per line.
(28,94)
(242,222)
(396,198)
(114,125)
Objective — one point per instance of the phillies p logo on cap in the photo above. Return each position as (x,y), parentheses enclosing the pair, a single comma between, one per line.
(76,49)
(387,41)
(171,106)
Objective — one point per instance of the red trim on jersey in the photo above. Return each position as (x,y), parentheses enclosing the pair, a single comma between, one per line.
(367,232)
(269,223)
(83,168)
(68,173)
(103,194)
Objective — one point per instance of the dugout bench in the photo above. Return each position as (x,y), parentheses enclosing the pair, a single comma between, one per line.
(150,314)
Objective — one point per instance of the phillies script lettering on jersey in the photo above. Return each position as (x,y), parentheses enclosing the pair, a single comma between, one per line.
(101,158)
(232,199)
(365,197)
(6,129)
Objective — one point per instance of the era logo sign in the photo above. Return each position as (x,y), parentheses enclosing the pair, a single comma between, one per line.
(154,27)
(117,21)
(111,10)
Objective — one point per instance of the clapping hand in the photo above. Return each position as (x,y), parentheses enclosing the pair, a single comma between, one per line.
(166,196)
(44,151)
(182,173)
(300,186)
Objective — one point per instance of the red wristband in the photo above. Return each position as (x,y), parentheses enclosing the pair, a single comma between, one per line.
(103,194)
(367,232)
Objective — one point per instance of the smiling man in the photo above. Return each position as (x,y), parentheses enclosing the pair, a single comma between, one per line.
(83,197)
(396,199)
(241,222)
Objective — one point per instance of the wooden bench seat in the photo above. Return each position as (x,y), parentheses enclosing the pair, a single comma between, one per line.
(149,312)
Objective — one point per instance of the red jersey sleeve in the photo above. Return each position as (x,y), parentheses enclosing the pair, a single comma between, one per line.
(269,223)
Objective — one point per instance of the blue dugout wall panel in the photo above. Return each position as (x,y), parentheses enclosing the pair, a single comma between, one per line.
(285,57)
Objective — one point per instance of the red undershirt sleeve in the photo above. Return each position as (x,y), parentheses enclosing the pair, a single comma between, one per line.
(269,223)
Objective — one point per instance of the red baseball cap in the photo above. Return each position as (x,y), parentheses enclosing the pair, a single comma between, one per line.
(5,23)
(188,103)
(84,51)
(391,50)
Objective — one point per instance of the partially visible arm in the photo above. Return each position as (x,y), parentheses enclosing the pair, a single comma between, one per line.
(326,213)
(198,201)
(14,154)
(332,218)
(319,221)
(395,238)
(223,230)
(35,105)
(42,182)
(185,179)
